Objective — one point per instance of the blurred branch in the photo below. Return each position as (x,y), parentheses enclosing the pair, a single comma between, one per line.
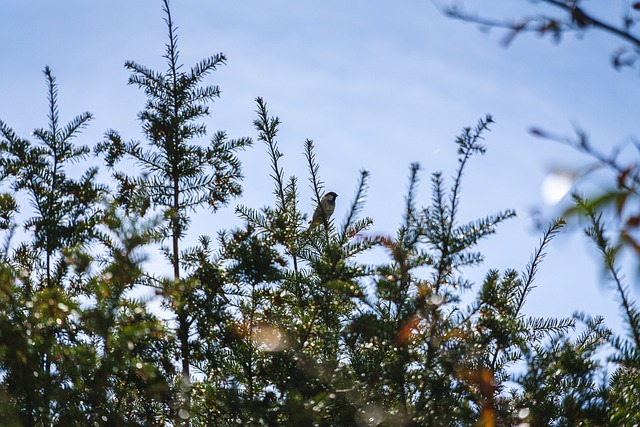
(575,19)
(628,174)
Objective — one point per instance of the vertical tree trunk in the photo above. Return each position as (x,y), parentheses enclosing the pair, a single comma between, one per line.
(184,413)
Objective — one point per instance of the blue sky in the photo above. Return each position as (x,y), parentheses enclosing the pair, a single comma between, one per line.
(377,85)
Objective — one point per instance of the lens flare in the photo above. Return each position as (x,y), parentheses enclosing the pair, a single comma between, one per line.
(555,186)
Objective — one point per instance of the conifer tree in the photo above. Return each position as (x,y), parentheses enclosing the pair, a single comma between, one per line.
(65,213)
(285,324)
(64,209)
(301,308)
(179,175)
(624,382)
(612,223)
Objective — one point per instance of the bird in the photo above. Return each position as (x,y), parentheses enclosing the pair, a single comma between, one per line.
(324,210)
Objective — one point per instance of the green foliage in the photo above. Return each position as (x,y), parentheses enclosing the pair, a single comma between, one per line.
(177,176)
(65,211)
(38,276)
(275,322)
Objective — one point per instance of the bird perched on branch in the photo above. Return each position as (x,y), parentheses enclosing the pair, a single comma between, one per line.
(324,210)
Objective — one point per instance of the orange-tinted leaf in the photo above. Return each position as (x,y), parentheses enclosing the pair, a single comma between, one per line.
(487,418)
(405,331)
(633,221)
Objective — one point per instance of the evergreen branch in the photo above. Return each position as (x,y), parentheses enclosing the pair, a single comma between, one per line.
(253,217)
(291,197)
(597,233)
(536,259)
(627,354)
(410,208)
(267,130)
(293,220)
(547,326)
(358,226)
(353,248)
(10,137)
(409,234)
(439,217)
(74,127)
(316,183)
(17,147)
(468,144)
(508,356)
(203,95)
(47,139)
(468,235)
(595,334)
(356,207)
(172,54)
(204,67)
(464,319)
(52,97)
(150,160)
(151,81)
(466,259)
(112,147)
